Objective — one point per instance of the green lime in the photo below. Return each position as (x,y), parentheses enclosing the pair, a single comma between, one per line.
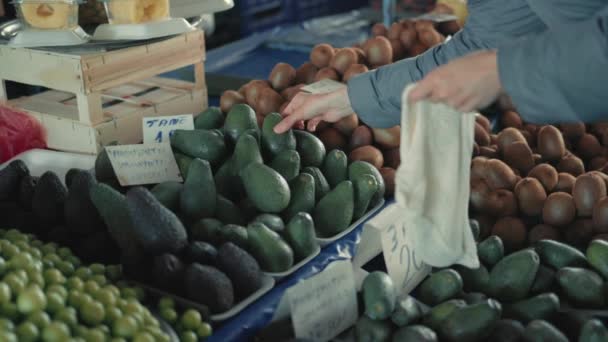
(37,278)
(169,315)
(10,250)
(56,332)
(113,272)
(98,268)
(92,313)
(118,339)
(6,324)
(105,329)
(132,306)
(55,302)
(31,299)
(128,292)
(75,283)
(100,279)
(37,244)
(112,314)
(113,289)
(72,259)
(58,289)
(68,316)
(64,252)
(80,330)
(166,302)
(205,330)
(188,336)
(90,287)
(52,257)
(85,299)
(66,268)
(47,263)
(28,331)
(40,318)
(106,297)
(7,336)
(35,252)
(5,293)
(150,320)
(53,276)
(95,335)
(191,319)
(49,248)
(75,298)
(158,334)
(3,266)
(126,326)
(21,261)
(14,282)
(140,294)
(143,337)
(21,273)
(9,310)
(83,273)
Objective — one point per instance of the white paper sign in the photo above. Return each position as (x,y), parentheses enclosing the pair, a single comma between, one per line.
(324,305)
(406,270)
(323,86)
(144,164)
(159,129)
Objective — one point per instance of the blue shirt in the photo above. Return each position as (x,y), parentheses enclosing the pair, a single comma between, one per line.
(552,61)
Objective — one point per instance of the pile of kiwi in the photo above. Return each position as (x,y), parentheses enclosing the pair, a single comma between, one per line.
(531,182)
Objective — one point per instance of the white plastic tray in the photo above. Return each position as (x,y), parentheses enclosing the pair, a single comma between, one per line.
(39,161)
(281,275)
(326,241)
(267,285)
(155,29)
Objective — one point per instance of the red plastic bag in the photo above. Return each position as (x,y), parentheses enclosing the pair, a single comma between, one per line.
(19,132)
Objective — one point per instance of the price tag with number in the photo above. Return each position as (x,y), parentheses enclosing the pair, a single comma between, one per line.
(159,129)
(144,164)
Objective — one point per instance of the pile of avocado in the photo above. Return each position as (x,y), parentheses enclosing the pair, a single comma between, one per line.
(515,297)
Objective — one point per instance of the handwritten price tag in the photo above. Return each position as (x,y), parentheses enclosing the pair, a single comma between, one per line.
(160,128)
(323,86)
(406,270)
(324,305)
(144,164)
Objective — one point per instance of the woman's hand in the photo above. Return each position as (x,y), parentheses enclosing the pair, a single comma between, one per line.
(330,107)
(466,84)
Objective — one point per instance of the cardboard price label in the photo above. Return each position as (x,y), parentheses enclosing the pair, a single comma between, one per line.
(144,164)
(323,86)
(160,128)
(406,270)
(324,305)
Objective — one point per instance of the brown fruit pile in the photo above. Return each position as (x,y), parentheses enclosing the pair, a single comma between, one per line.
(531,182)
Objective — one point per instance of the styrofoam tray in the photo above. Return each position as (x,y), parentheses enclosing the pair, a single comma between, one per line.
(39,161)
(281,275)
(326,241)
(267,285)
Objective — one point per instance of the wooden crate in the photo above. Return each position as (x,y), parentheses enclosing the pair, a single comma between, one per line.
(101,97)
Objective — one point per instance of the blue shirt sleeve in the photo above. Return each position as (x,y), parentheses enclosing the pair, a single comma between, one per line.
(559,75)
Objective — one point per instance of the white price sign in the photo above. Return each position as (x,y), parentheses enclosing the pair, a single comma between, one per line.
(324,305)
(406,270)
(159,129)
(144,164)
(323,86)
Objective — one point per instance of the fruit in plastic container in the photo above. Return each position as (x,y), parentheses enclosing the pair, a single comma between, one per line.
(137,11)
(49,15)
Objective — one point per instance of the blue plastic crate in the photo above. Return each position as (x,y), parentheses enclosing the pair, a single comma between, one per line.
(306,9)
(258,15)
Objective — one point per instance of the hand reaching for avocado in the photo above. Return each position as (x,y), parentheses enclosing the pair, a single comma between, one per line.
(330,107)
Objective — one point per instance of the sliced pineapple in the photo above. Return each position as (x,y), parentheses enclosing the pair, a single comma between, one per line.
(137,11)
(47,15)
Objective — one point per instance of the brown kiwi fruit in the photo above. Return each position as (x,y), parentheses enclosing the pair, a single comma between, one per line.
(508,136)
(579,233)
(354,70)
(388,174)
(398,49)
(392,158)
(512,232)
(408,37)
(602,175)
(342,60)
(394,31)
(269,101)
(543,232)
(600,216)
(327,73)
(573,131)
(484,122)
(321,55)
(332,139)
(348,124)
(361,136)
(379,30)
(538,159)
(480,192)
(499,175)
(482,137)
(559,209)
(546,174)
(550,143)
(599,127)
(501,203)
(229,98)
(565,182)
(530,139)
(598,163)
(518,155)
(475,150)
(306,73)
(531,196)
(511,119)
(478,168)
(387,138)
(588,147)
(493,139)
(488,152)
(361,58)
(282,76)
(379,51)
(369,154)
(571,164)
(588,190)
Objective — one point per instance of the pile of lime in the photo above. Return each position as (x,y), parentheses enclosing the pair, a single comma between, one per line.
(187,323)
(47,294)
